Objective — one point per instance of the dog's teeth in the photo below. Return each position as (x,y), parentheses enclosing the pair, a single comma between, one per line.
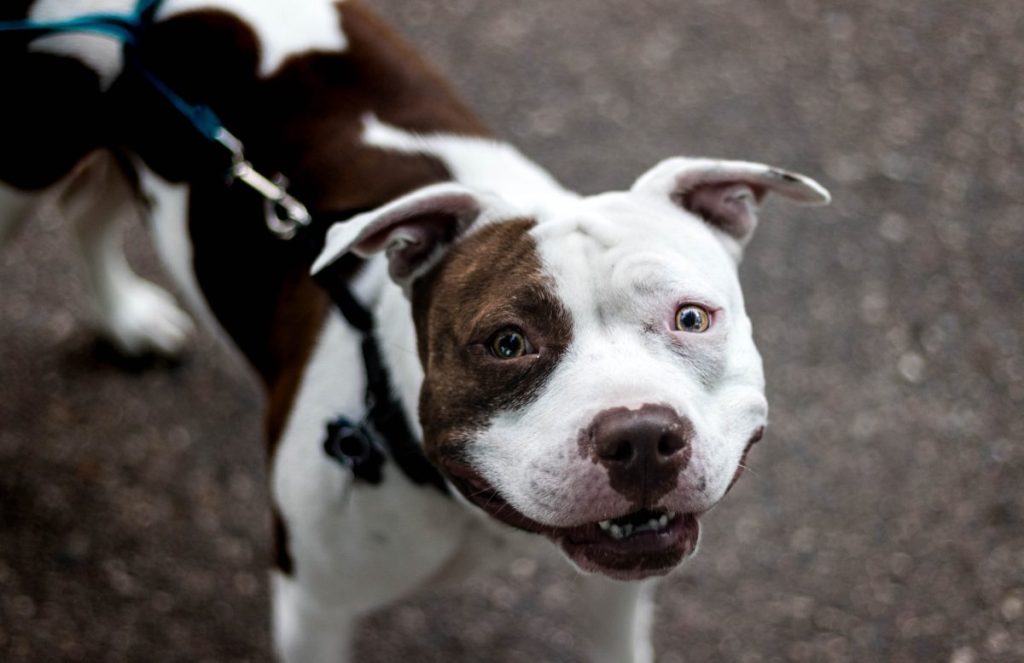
(626,529)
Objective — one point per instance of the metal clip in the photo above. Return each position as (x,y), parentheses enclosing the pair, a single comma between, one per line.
(284,214)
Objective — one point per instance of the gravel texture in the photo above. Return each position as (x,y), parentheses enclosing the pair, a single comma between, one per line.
(883,519)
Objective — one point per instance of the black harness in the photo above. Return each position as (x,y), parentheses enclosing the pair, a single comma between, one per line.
(360,446)
(385,430)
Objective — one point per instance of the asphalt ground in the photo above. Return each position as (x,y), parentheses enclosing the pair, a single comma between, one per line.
(883,516)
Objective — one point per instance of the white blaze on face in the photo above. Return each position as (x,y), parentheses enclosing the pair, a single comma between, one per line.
(284,29)
(622,264)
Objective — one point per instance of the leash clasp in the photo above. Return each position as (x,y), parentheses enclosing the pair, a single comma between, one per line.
(284,214)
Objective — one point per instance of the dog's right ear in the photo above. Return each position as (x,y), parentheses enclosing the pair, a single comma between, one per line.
(414,230)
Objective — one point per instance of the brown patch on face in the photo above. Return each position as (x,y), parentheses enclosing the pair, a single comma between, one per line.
(644,450)
(490,281)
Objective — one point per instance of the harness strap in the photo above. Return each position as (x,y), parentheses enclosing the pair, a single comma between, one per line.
(385,416)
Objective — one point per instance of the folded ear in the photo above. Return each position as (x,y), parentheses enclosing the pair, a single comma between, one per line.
(726,194)
(414,230)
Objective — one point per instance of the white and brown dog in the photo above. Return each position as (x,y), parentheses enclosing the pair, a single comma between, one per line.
(580,370)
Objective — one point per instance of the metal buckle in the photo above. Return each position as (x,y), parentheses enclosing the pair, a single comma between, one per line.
(284,214)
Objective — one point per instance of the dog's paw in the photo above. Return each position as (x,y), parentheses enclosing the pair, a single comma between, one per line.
(143,319)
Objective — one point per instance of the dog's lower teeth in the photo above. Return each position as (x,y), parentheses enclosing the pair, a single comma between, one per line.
(621,531)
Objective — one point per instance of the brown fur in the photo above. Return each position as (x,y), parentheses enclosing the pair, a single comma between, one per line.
(489,281)
(304,121)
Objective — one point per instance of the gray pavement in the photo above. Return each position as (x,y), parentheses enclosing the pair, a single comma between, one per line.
(883,519)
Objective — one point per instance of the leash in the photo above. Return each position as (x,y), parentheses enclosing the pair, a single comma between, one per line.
(360,446)
(284,215)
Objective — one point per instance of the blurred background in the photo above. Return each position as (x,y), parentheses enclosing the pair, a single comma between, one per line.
(883,516)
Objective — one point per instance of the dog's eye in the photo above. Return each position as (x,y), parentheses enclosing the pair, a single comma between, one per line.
(692,318)
(510,344)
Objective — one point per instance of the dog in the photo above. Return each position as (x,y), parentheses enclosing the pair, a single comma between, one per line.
(577,372)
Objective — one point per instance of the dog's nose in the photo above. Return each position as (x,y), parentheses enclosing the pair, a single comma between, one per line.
(644,449)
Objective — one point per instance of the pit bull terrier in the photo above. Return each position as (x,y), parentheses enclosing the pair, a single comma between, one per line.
(579,370)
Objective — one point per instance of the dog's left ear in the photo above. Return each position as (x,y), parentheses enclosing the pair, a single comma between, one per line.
(414,230)
(726,194)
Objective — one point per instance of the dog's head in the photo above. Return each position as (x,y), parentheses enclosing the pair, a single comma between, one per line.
(589,374)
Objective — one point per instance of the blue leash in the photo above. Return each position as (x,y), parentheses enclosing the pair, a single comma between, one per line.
(358,446)
(285,215)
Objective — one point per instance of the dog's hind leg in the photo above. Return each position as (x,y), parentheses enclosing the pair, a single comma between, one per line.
(136,316)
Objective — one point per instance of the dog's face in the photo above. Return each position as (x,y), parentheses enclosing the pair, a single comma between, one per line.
(590,374)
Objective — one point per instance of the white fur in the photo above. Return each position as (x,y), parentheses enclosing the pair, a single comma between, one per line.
(488,166)
(356,546)
(99,52)
(168,224)
(622,263)
(284,29)
(618,618)
(321,503)
(343,568)
(135,315)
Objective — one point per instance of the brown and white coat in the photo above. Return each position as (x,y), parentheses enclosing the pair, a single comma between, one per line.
(581,369)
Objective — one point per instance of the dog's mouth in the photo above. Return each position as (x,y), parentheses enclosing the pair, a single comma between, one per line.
(646,542)
(632,546)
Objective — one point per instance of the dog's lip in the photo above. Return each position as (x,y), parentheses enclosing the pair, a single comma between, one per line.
(487,498)
(638,556)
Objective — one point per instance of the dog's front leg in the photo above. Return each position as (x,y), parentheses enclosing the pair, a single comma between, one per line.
(617,619)
(306,631)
